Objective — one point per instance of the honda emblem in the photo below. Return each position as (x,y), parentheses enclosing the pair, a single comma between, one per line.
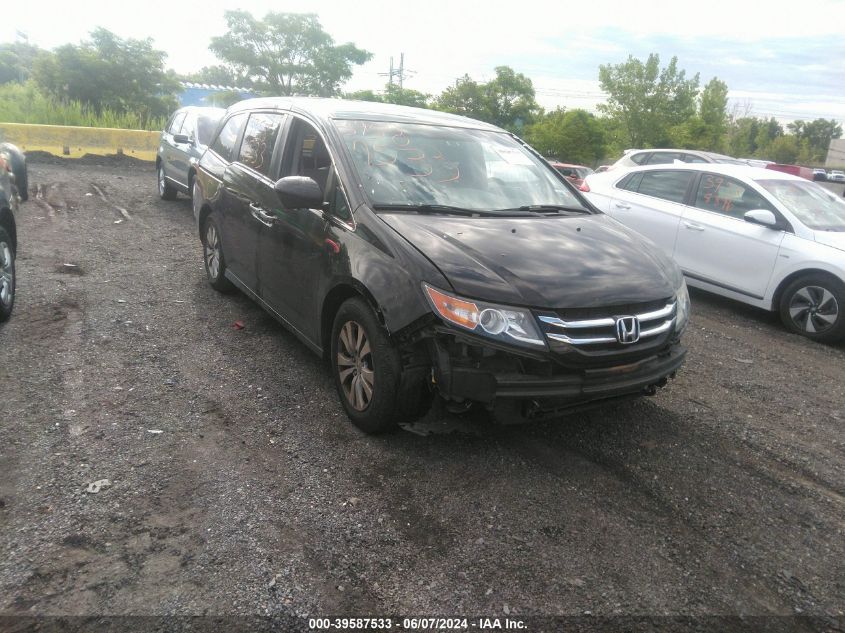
(627,330)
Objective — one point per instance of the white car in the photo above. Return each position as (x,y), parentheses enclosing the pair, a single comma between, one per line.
(639,157)
(836,175)
(762,237)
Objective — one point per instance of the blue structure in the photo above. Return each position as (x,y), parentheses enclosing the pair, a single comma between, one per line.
(204,94)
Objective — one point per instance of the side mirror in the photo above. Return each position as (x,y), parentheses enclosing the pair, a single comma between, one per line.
(763,217)
(181,138)
(299,192)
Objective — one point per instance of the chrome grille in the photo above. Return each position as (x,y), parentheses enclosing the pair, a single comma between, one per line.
(603,331)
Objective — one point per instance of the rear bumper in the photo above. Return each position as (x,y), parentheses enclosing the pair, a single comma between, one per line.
(565,389)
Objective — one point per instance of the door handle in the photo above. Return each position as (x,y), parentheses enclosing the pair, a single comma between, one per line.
(693,227)
(622,205)
(260,214)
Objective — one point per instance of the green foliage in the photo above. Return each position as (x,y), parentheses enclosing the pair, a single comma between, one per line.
(507,101)
(109,73)
(392,94)
(817,135)
(25,103)
(784,149)
(575,136)
(286,53)
(220,75)
(647,102)
(16,60)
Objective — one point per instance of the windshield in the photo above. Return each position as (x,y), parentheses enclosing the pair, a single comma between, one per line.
(814,206)
(406,164)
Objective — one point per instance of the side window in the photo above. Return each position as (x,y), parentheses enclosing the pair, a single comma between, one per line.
(692,158)
(260,136)
(667,185)
(664,158)
(190,125)
(176,123)
(640,158)
(728,196)
(339,207)
(631,182)
(306,154)
(224,144)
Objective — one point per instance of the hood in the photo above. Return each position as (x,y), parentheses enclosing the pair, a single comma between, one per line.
(544,262)
(836,239)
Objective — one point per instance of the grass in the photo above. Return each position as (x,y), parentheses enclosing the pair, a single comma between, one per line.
(24,103)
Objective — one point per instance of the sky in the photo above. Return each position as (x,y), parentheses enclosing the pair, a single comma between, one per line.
(781,59)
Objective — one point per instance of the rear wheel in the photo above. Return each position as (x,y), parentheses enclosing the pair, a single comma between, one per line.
(215,263)
(165,189)
(814,306)
(368,371)
(7,276)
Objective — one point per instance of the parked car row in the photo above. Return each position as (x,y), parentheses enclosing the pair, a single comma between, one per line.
(424,253)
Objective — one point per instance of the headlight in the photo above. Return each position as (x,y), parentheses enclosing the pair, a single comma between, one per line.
(682,295)
(502,323)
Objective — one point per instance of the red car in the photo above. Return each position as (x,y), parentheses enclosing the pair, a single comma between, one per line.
(575,173)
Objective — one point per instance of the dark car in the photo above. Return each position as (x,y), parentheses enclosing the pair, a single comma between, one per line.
(425,254)
(8,230)
(182,142)
(16,161)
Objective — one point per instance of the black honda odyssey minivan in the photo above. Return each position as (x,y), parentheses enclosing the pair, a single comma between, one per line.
(429,255)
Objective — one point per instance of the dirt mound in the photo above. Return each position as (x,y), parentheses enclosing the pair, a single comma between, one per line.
(88,159)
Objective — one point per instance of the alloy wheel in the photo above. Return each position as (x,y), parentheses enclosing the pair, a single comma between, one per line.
(212,251)
(355,365)
(7,285)
(813,309)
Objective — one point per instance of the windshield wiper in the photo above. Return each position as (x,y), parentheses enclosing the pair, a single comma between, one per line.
(547,208)
(430,208)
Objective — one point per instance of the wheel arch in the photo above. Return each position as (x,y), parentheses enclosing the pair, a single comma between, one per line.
(7,221)
(778,294)
(331,304)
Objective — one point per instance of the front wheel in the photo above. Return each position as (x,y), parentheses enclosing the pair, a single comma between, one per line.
(7,276)
(368,371)
(814,306)
(165,190)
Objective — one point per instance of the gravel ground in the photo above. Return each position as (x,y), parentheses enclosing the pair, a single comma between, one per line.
(238,487)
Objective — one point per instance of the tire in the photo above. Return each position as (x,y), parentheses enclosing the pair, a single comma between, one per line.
(367,371)
(165,189)
(7,276)
(17,161)
(814,306)
(212,256)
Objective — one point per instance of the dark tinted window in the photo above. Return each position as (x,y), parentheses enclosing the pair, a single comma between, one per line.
(176,123)
(339,206)
(260,136)
(190,125)
(667,185)
(639,158)
(728,196)
(663,158)
(631,182)
(206,124)
(306,154)
(692,158)
(224,144)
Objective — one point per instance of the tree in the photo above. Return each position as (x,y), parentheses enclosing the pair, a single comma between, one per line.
(767,132)
(575,136)
(817,134)
(392,94)
(742,136)
(784,149)
(646,101)
(507,101)
(286,53)
(123,75)
(220,75)
(16,61)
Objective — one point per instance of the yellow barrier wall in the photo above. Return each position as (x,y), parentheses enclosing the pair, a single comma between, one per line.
(73,142)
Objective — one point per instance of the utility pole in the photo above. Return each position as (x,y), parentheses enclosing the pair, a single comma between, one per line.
(399,72)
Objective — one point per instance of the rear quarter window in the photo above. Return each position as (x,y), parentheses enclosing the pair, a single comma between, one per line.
(666,185)
(224,144)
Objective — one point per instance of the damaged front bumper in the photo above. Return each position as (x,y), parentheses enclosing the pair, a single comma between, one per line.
(543,384)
